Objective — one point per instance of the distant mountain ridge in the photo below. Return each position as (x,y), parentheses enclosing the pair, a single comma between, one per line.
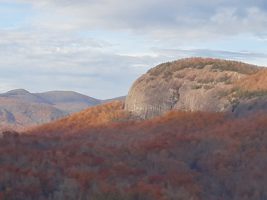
(20,108)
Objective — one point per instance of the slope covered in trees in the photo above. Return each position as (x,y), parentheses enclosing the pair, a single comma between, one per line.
(97,116)
(196,156)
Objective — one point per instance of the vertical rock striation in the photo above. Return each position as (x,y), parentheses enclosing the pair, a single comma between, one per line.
(194,84)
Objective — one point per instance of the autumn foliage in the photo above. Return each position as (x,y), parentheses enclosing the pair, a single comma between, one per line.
(255,82)
(93,117)
(99,155)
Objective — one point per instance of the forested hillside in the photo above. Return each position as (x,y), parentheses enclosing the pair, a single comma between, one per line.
(198,156)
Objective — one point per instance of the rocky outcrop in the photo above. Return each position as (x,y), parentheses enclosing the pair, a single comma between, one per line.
(197,84)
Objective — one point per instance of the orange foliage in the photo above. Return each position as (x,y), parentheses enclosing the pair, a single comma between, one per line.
(82,121)
(255,82)
(198,156)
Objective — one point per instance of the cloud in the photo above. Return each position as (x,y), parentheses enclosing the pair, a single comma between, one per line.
(99,47)
(245,56)
(190,19)
(51,61)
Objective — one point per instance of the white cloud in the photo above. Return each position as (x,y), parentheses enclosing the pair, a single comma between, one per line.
(51,61)
(195,19)
(243,56)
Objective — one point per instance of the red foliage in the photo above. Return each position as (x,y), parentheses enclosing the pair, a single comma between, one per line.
(177,156)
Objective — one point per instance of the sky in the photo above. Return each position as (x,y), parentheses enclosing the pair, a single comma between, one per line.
(99,47)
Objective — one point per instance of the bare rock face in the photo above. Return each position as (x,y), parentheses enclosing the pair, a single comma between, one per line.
(198,84)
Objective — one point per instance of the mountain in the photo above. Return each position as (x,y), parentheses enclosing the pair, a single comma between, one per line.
(18,113)
(190,149)
(19,108)
(121,98)
(101,154)
(68,101)
(23,96)
(199,84)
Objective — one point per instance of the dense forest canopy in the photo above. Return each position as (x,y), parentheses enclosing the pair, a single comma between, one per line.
(177,156)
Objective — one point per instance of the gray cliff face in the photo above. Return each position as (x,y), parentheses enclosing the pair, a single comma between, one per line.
(207,85)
